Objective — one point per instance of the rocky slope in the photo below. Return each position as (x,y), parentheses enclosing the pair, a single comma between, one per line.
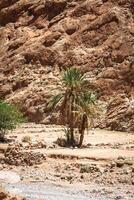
(39,38)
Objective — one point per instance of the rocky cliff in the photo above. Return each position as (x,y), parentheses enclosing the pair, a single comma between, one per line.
(39,38)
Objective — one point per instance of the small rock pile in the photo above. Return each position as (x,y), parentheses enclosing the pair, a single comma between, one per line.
(89,169)
(61,142)
(15,155)
(6,196)
(35,145)
(121,161)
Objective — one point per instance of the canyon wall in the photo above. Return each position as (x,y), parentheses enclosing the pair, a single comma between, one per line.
(40,38)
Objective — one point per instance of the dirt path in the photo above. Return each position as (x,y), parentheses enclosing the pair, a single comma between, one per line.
(99,144)
(94,154)
(51,132)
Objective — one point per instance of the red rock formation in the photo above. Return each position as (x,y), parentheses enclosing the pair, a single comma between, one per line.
(120,114)
(39,38)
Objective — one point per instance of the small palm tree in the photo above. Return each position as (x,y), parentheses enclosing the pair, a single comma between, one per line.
(74,103)
(87,111)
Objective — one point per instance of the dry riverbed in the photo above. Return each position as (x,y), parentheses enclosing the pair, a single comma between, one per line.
(103,168)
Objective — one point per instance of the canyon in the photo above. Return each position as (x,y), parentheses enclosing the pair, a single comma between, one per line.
(41,38)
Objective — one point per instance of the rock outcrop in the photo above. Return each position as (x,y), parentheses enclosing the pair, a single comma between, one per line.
(120,114)
(39,38)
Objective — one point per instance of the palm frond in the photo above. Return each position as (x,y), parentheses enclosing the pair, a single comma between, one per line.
(73,78)
(54,101)
(86,105)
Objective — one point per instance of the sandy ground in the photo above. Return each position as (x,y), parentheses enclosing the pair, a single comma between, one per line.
(93,167)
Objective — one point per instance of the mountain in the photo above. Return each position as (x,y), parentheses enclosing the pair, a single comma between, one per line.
(40,38)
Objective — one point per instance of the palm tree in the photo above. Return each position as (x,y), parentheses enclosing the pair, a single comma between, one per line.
(73,82)
(76,103)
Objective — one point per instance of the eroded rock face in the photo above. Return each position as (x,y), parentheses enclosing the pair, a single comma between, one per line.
(120,114)
(40,38)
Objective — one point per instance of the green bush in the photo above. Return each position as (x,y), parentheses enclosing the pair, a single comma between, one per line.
(10,116)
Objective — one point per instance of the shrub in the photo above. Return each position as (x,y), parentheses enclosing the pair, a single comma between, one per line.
(10,116)
(26,138)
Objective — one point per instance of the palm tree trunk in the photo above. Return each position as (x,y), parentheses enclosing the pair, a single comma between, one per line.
(71,121)
(72,141)
(82,130)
